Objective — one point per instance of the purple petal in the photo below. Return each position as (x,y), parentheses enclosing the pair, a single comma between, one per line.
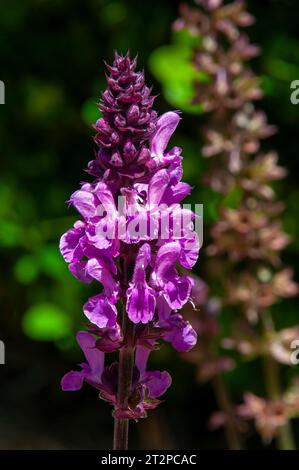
(104,255)
(84,202)
(100,311)
(190,249)
(101,233)
(142,261)
(110,339)
(157,382)
(184,339)
(175,169)
(138,228)
(105,196)
(180,334)
(166,126)
(72,381)
(95,358)
(141,358)
(97,269)
(163,309)
(177,291)
(141,303)
(166,257)
(157,186)
(141,300)
(70,246)
(78,269)
(177,193)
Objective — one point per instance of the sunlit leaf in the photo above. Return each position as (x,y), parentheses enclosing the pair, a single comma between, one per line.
(173,67)
(46,322)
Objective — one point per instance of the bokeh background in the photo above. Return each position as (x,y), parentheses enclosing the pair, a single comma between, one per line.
(51,56)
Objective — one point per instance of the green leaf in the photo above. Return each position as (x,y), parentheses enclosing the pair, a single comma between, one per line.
(43,100)
(113,13)
(46,322)
(51,262)
(185,38)
(233,198)
(10,233)
(171,63)
(90,111)
(180,95)
(210,200)
(26,269)
(173,67)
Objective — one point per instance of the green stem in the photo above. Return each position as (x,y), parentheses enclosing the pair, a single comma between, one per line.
(272,382)
(125,371)
(285,438)
(224,402)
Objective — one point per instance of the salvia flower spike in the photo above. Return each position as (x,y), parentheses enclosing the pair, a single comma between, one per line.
(126,251)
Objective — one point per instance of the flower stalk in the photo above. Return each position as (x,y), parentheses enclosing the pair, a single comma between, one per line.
(226,406)
(126,364)
(123,243)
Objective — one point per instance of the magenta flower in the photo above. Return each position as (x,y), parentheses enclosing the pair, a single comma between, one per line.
(145,389)
(132,238)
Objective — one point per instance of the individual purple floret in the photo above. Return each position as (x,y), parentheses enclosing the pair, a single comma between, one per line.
(136,240)
(146,386)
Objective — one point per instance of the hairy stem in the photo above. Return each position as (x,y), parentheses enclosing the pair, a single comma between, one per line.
(125,371)
(121,434)
(224,403)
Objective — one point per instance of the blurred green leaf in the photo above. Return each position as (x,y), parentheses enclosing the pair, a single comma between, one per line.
(51,262)
(10,233)
(210,200)
(233,198)
(172,66)
(26,269)
(113,13)
(46,322)
(281,58)
(43,100)
(185,38)
(90,111)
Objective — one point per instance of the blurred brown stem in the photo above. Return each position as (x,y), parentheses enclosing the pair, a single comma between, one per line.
(224,403)
(273,388)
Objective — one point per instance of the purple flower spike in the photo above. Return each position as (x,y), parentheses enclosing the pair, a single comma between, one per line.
(131,243)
